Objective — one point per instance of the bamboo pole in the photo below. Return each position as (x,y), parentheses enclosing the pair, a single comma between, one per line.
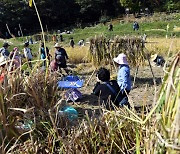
(21,30)
(9,31)
(41,30)
(90,77)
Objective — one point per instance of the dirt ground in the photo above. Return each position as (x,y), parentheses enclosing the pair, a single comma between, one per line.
(142,92)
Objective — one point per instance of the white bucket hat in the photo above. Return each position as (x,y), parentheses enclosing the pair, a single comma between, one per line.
(57,45)
(121,59)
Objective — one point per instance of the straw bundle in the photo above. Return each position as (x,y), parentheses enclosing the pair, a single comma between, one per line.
(103,49)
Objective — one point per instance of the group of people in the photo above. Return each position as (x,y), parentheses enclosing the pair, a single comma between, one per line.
(114,92)
(72,43)
(14,56)
(110,91)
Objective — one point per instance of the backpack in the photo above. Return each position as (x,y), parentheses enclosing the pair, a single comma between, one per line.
(73,95)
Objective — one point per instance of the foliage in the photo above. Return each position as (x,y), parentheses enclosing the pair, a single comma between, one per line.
(60,14)
(122,130)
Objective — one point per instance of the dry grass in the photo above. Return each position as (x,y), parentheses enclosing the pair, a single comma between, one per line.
(163,45)
(77,54)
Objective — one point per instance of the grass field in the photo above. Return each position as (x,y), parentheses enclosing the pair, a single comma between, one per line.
(30,121)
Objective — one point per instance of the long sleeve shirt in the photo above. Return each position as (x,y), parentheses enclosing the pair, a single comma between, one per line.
(4,52)
(123,78)
(27,53)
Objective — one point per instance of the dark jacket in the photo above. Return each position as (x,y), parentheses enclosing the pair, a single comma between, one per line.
(104,92)
(61,53)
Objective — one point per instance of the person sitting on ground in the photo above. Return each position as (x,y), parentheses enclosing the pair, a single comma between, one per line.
(4,50)
(106,89)
(123,77)
(60,56)
(158,60)
(28,54)
(81,42)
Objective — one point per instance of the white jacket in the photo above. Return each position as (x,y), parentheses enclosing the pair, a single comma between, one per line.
(27,53)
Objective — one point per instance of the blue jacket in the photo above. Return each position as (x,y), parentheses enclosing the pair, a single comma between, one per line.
(123,78)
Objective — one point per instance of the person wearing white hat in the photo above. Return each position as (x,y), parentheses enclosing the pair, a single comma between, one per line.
(60,56)
(123,76)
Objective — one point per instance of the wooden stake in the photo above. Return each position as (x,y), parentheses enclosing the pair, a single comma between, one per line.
(90,77)
(135,75)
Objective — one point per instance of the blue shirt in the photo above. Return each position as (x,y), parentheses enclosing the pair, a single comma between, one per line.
(123,77)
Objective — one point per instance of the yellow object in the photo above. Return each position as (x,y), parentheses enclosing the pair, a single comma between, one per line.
(30,3)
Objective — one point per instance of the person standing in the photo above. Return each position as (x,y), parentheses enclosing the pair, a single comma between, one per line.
(135,26)
(43,53)
(60,56)
(71,42)
(110,27)
(123,76)
(4,50)
(28,54)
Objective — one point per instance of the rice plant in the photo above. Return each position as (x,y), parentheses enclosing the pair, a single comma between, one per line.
(103,49)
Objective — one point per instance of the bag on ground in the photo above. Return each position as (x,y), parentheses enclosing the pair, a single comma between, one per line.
(73,95)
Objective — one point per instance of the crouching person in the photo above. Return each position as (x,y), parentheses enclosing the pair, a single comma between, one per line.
(108,90)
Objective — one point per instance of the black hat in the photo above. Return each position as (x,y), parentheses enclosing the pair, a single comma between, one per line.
(6,44)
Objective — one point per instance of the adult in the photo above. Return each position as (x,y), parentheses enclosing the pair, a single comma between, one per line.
(60,56)
(28,54)
(16,57)
(135,26)
(158,60)
(123,76)
(106,89)
(110,27)
(81,42)
(44,53)
(4,50)
(71,42)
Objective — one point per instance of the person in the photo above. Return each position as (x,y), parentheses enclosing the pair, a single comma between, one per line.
(4,50)
(106,89)
(123,77)
(60,56)
(81,42)
(16,57)
(110,27)
(71,43)
(135,26)
(158,60)
(28,54)
(43,53)
(53,66)
(54,39)
(31,40)
(61,38)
